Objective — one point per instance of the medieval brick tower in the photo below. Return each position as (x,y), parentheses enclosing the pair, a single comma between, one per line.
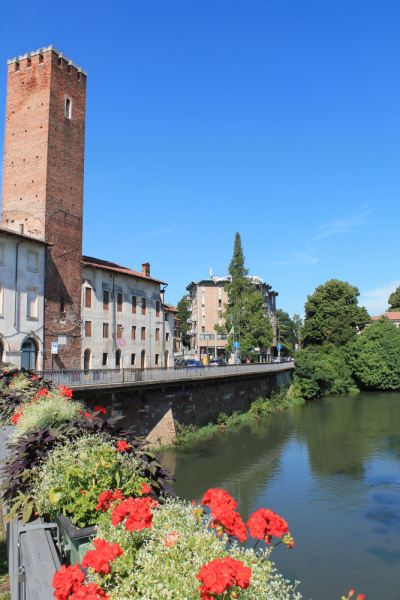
(43,183)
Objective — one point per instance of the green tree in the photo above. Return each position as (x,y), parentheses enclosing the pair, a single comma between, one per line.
(394,300)
(288,331)
(374,357)
(244,309)
(333,315)
(183,315)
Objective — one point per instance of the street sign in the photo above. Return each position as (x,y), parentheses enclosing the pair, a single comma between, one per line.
(236,344)
(122,342)
(296,349)
(296,346)
(54,347)
(279,346)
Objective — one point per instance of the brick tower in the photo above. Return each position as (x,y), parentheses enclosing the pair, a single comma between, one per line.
(43,183)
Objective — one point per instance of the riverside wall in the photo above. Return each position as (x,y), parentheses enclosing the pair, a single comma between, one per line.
(152,408)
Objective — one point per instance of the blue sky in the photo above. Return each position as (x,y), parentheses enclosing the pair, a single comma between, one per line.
(279,120)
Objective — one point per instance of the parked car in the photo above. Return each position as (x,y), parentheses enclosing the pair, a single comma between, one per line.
(180,363)
(217,362)
(193,364)
(275,360)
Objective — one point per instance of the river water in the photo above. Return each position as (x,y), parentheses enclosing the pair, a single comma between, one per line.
(331,469)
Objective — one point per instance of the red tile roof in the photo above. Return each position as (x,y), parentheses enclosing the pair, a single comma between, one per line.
(392,316)
(89,261)
(23,236)
(170,308)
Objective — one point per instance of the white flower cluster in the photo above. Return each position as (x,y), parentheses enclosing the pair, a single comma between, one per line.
(157,571)
(46,411)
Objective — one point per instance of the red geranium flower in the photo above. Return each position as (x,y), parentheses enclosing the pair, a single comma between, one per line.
(67,580)
(219,575)
(171,539)
(88,415)
(43,392)
(100,409)
(264,524)
(107,498)
(16,417)
(138,512)
(100,559)
(34,377)
(10,384)
(65,391)
(218,498)
(89,592)
(145,488)
(122,446)
(226,519)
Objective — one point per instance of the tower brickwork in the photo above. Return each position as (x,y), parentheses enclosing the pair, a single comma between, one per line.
(43,183)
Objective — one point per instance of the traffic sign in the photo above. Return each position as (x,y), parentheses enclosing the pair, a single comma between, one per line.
(236,344)
(296,346)
(54,347)
(279,346)
(121,342)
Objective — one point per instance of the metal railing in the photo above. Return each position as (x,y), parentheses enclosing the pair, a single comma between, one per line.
(101,377)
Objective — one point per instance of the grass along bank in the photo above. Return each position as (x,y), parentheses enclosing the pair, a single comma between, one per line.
(261,407)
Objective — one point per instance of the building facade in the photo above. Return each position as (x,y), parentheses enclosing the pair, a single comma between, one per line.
(393,317)
(206,304)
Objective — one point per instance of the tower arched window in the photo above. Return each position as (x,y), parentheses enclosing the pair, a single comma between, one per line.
(68,108)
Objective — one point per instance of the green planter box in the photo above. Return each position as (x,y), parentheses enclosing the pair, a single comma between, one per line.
(76,541)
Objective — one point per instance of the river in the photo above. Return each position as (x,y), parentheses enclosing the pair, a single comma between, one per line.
(331,469)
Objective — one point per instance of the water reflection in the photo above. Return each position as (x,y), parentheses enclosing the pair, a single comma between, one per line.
(331,468)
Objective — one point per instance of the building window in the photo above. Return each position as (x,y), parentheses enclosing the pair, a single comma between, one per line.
(134,305)
(118,359)
(68,108)
(134,332)
(88,328)
(133,360)
(203,328)
(167,337)
(157,359)
(1,298)
(157,308)
(33,261)
(143,306)
(88,297)
(219,302)
(203,289)
(158,335)
(119,302)
(105,359)
(105,330)
(143,333)
(106,299)
(31,303)
(119,332)
(1,254)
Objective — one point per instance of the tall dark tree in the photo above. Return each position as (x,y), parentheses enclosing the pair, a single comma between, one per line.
(333,315)
(244,311)
(183,315)
(394,300)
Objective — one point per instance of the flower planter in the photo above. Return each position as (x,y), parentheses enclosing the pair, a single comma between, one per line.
(76,541)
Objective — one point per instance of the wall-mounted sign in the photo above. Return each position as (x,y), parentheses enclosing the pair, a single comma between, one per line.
(62,340)
(54,347)
(122,342)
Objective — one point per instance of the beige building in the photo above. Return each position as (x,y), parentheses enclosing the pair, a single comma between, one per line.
(206,303)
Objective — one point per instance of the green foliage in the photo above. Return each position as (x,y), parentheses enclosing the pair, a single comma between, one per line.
(394,300)
(333,314)
(277,400)
(73,477)
(321,370)
(244,309)
(288,331)
(183,315)
(374,357)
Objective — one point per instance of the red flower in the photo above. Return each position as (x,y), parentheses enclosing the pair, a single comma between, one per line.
(100,409)
(264,524)
(65,391)
(88,415)
(218,498)
(100,559)
(89,592)
(219,575)
(145,488)
(226,519)
(138,512)
(34,377)
(107,498)
(122,446)
(10,384)
(171,539)
(67,580)
(43,392)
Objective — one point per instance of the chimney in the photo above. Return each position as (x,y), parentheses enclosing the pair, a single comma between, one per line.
(146,269)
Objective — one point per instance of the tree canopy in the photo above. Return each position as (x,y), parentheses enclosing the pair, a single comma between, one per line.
(288,331)
(374,356)
(394,300)
(244,309)
(183,315)
(332,314)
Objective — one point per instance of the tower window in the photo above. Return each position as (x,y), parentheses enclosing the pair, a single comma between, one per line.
(69,69)
(59,62)
(62,304)
(68,108)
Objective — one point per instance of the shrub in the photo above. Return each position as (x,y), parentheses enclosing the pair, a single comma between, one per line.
(263,406)
(320,371)
(73,477)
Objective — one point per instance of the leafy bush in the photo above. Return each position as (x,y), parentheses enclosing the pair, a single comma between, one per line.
(374,357)
(73,477)
(18,386)
(277,400)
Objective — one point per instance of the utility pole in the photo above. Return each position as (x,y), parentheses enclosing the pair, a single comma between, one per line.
(279,341)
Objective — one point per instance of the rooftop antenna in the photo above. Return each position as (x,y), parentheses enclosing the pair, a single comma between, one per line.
(210,273)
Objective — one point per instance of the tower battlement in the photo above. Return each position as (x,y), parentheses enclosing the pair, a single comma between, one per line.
(39,53)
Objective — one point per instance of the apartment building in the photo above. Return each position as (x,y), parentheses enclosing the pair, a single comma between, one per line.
(124,321)
(206,304)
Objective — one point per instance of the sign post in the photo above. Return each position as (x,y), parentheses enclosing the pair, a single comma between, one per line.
(279,346)
(54,350)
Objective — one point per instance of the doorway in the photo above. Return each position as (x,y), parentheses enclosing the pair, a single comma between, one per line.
(143,359)
(86,359)
(118,359)
(29,354)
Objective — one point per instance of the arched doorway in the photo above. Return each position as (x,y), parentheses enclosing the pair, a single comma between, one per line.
(29,354)
(86,359)
(143,359)
(118,359)
(167,359)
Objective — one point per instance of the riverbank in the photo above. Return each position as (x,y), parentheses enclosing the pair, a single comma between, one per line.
(261,407)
